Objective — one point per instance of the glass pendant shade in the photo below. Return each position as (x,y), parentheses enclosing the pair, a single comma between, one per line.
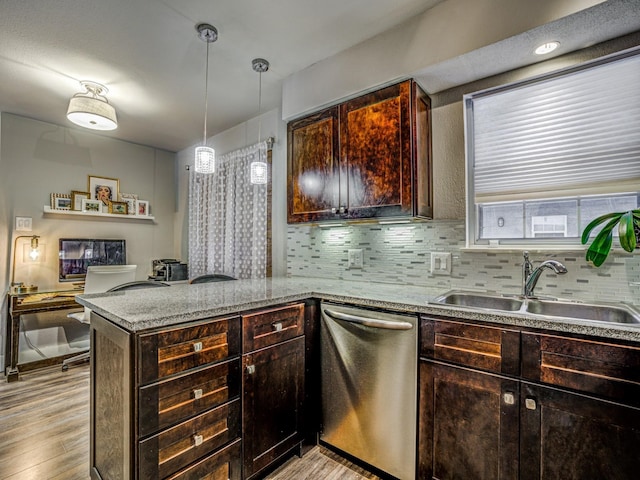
(205,160)
(91,109)
(259,173)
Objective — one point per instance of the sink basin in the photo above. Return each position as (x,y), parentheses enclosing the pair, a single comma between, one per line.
(480,300)
(583,311)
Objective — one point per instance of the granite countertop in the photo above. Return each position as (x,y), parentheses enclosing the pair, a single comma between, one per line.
(137,310)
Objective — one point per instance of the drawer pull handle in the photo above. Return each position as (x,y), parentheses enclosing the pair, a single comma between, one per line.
(251,369)
(197,393)
(530,404)
(197,440)
(509,398)
(197,346)
(277,326)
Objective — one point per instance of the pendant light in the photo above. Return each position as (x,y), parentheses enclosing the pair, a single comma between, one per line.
(259,170)
(91,109)
(206,156)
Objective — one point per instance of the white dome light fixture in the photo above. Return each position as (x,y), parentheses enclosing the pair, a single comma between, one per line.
(259,170)
(206,156)
(547,48)
(91,109)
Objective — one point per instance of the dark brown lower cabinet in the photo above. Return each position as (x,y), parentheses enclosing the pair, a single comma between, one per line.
(570,436)
(273,397)
(570,413)
(468,424)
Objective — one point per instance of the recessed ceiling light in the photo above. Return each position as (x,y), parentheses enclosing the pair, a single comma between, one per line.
(547,48)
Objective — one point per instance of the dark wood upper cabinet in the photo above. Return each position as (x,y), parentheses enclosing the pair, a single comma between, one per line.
(367,157)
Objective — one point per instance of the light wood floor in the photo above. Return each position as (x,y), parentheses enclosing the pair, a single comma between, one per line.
(44,433)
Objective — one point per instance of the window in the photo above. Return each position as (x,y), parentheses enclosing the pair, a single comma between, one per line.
(546,156)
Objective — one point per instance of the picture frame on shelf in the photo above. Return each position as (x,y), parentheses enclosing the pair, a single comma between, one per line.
(130,199)
(142,208)
(118,208)
(91,206)
(104,189)
(61,201)
(76,199)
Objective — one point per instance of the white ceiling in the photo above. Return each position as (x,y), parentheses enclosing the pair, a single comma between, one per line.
(148,55)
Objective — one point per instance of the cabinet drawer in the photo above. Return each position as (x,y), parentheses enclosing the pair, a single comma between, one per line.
(493,349)
(176,399)
(175,448)
(597,367)
(222,465)
(174,351)
(268,327)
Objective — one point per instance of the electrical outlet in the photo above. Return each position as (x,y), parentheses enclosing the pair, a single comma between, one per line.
(441,263)
(355,258)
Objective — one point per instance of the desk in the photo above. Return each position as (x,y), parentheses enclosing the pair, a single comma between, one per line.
(23,304)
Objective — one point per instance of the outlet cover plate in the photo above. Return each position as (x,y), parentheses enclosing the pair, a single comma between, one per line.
(355,258)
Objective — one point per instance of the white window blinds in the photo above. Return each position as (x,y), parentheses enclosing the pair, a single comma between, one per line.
(570,134)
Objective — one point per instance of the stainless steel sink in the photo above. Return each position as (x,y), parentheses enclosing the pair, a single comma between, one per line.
(554,309)
(583,311)
(480,300)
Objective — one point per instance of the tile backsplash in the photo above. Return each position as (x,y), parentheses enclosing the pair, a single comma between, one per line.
(401,253)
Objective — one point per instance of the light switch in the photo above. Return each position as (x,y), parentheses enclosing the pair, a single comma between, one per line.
(441,263)
(24,224)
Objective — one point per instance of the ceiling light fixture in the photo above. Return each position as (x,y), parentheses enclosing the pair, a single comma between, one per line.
(259,169)
(91,109)
(206,156)
(547,48)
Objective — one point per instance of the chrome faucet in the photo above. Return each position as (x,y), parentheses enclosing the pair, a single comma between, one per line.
(531,275)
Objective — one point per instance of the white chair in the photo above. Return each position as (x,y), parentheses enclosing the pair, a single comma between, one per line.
(100,278)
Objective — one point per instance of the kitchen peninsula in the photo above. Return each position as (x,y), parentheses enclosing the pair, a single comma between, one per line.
(216,347)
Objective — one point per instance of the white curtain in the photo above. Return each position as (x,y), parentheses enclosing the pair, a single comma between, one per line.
(228,217)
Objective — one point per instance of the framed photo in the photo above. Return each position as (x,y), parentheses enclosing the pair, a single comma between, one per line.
(103,189)
(61,201)
(92,206)
(119,208)
(76,199)
(130,199)
(142,208)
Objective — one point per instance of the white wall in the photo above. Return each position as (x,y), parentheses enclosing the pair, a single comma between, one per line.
(38,158)
(270,125)
(446,31)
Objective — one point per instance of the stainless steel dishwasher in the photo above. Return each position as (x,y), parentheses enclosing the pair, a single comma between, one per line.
(369,386)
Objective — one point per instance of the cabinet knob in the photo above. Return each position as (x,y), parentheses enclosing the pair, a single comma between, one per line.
(197,346)
(530,404)
(251,369)
(197,393)
(509,398)
(197,440)
(277,326)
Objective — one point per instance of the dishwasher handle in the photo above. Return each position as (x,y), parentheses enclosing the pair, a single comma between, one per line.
(369,322)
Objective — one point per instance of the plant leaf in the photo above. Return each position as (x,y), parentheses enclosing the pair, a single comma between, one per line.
(601,245)
(597,221)
(626,232)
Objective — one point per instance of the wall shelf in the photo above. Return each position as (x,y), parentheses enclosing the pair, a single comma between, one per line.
(52,211)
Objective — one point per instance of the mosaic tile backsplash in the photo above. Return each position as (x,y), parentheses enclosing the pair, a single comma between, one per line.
(402,254)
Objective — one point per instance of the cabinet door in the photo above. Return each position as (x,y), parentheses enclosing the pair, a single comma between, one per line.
(573,437)
(313,175)
(468,424)
(273,402)
(375,152)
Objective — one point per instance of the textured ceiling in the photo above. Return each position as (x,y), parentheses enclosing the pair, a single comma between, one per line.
(149,56)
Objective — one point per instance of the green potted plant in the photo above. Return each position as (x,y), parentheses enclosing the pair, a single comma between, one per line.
(628,230)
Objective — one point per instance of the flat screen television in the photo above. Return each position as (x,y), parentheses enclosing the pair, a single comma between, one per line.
(76,254)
